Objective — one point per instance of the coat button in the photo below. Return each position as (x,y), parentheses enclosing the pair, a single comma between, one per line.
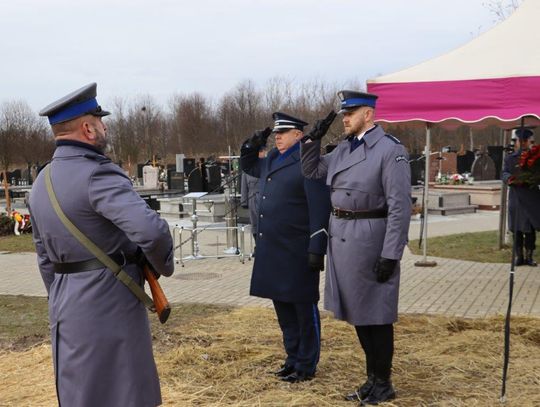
(348,193)
(260,234)
(269,179)
(261,215)
(342,240)
(264,196)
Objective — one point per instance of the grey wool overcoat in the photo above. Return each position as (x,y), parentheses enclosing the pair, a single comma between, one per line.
(375,175)
(101,341)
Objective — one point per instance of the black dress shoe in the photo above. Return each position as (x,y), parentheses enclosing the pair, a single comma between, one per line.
(382,391)
(362,392)
(297,376)
(285,370)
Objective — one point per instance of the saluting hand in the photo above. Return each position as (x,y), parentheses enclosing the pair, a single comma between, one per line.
(384,268)
(320,127)
(259,138)
(316,262)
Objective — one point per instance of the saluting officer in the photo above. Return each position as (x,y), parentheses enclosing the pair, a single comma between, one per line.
(518,222)
(291,242)
(369,175)
(102,347)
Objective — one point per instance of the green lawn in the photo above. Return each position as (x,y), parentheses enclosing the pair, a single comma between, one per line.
(12,243)
(482,247)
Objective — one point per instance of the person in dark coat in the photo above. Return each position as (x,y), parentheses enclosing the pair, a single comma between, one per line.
(291,242)
(100,334)
(369,176)
(518,222)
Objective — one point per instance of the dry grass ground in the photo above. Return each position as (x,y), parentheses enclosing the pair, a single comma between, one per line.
(213,356)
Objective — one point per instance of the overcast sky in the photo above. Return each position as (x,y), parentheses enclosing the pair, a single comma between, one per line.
(161,47)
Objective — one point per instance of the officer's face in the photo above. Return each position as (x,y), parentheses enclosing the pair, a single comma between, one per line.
(287,139)
(357,121)
(523,144)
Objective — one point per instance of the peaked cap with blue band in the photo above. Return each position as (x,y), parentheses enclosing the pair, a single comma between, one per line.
(523,133)
(350,100)
(76,104)
(284,122)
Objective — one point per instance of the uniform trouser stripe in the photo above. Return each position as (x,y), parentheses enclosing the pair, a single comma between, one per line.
(317,324)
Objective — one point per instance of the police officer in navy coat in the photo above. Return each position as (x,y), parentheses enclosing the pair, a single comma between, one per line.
(100,333)
(519,223)
(291,242)
(369,176)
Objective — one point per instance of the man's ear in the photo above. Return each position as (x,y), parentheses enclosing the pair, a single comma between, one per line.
(88,130)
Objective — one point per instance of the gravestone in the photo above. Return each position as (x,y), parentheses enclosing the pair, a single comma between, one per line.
(464,162)
(483,168)
(150,177)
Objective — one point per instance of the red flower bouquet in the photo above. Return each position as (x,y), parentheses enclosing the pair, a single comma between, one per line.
(528,169)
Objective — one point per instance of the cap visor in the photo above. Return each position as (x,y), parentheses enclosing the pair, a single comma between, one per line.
(101,114)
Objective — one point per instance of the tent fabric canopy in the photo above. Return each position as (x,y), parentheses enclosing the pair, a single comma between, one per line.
(493,79)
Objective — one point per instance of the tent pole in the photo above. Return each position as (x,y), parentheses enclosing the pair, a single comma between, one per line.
(504,198)
(424,262)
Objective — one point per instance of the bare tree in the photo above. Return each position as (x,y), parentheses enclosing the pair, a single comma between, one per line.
(192,124)
(502,9)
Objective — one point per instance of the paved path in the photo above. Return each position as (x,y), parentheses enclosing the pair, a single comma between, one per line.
(453,287)
(458,288)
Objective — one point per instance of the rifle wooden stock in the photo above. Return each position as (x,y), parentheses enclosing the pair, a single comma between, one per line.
(161,304)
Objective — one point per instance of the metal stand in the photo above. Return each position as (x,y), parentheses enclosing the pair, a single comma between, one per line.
(424,262)
(230,223)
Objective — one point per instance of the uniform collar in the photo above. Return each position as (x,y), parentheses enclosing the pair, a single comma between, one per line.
(373,135)
(359,137)
(288,152)
(75,143)
(370,137)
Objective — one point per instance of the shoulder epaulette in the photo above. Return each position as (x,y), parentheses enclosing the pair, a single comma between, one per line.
(394,139)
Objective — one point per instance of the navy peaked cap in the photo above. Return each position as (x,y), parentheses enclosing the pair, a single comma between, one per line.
(350,100)
(284,122)
(76,104)
(523,134)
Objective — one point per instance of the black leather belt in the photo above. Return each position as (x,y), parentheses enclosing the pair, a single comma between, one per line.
(92,264)
(372,214)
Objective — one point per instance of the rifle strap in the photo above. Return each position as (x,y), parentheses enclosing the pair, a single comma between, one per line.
(104,258)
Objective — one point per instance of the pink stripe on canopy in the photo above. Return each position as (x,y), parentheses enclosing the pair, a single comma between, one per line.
(465,101)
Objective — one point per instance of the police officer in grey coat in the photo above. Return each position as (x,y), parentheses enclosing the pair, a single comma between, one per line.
(291,242)
(369,176)
(518,222)
(101,342)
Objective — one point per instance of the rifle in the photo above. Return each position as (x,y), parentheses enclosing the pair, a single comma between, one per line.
(161,304)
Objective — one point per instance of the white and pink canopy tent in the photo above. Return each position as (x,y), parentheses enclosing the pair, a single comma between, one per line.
(493,79)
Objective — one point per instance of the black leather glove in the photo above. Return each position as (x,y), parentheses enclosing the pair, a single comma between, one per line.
(316,262)
(259,138)
(320,127)
(384,268)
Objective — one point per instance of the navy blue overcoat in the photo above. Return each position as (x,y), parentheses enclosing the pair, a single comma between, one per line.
(519,213)
(293,221)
